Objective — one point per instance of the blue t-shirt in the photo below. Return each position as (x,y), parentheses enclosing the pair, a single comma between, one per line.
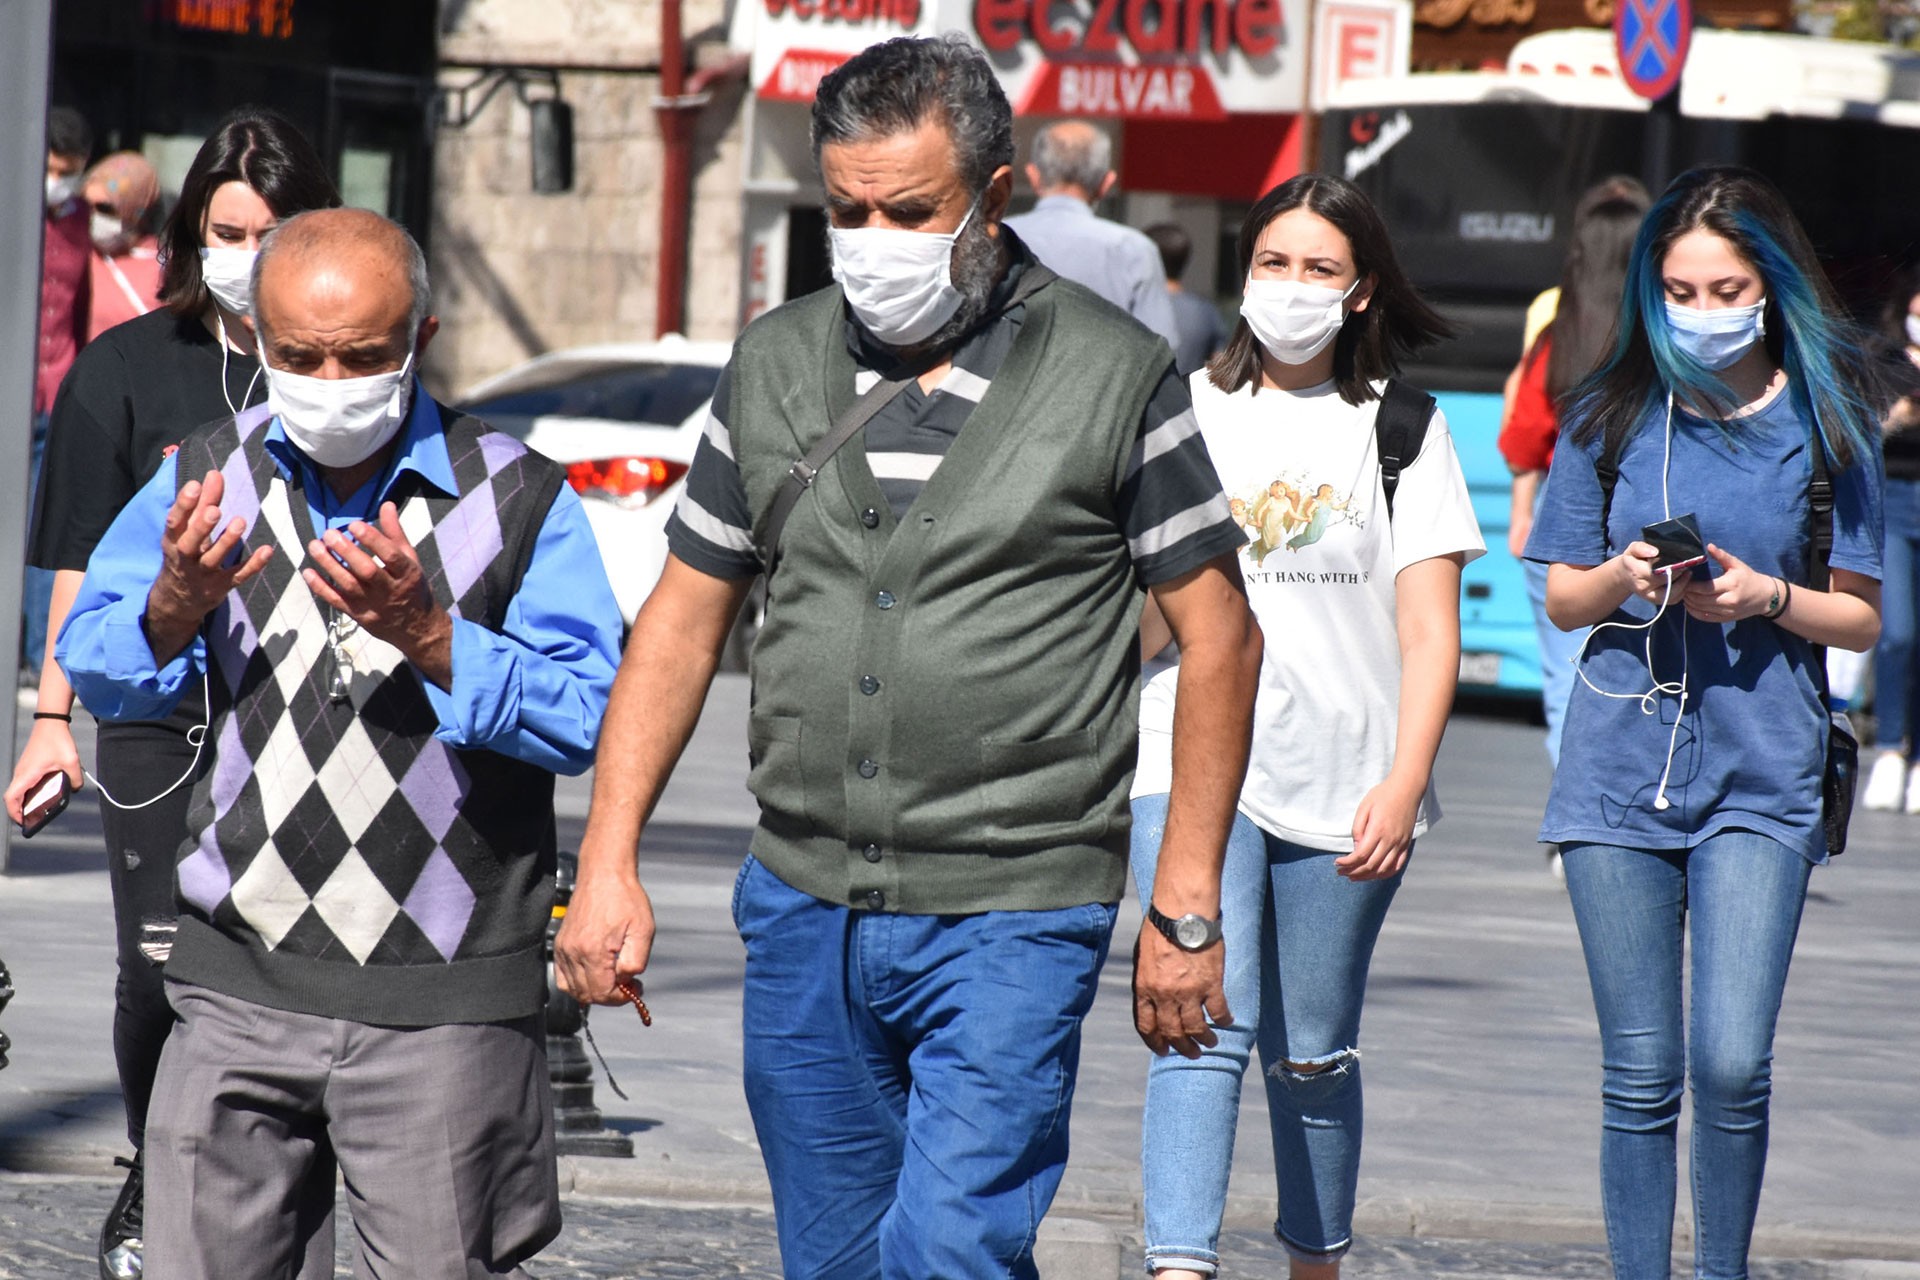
(1751,746)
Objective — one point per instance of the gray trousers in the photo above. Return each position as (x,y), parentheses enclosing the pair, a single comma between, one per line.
(444,1137)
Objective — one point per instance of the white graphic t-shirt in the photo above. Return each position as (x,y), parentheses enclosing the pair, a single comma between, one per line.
(1302,473)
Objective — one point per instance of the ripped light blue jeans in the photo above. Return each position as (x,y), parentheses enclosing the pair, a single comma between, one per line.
(1299,938)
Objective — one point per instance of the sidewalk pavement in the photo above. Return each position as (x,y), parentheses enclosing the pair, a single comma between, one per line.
(1482,1061)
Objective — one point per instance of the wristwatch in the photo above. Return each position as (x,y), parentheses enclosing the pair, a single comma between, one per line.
(1189,933)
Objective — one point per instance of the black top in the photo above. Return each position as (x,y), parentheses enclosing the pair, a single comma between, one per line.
(132,395)
(1902,447)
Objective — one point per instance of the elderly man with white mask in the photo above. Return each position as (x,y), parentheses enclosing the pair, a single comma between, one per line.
(404,631)
(964,472)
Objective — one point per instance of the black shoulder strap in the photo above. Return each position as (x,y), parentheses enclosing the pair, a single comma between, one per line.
(1819,514)
(1606,469)
(1820,538)
(801,474)
(1399,431)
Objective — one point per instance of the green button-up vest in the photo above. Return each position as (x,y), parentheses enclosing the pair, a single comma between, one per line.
(944,707)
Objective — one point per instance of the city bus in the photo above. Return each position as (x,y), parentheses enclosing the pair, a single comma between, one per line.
(1477,174)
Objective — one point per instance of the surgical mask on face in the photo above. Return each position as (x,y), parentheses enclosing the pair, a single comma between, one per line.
(108,232)
(1719,337)
(61,190)
(1913,330)
(228,274)
(340,421)
(1292,320)
(899,284)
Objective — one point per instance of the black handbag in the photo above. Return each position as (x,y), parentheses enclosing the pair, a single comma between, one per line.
(1843,770)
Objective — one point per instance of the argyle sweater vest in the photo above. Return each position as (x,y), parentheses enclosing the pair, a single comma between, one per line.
(341,860)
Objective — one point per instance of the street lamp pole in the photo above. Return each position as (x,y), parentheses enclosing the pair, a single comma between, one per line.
(26,34)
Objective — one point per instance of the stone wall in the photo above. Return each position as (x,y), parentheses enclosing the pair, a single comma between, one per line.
(517,273)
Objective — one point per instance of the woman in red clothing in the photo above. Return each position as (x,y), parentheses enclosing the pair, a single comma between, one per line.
(1571,345)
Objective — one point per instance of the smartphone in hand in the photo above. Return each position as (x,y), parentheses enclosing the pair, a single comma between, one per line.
(45,802)
(1680,545)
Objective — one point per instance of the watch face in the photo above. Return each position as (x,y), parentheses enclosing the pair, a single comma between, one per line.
(1191,931)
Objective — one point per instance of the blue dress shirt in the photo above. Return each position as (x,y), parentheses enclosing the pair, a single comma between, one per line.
(535,690)
(1112,259)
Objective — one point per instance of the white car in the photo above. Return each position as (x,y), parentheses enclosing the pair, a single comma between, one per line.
(624,419)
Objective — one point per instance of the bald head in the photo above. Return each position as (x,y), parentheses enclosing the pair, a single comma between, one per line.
(1071,158)
(340,293)
(342,248)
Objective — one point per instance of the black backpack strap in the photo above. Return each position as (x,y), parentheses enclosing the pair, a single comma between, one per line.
(1399,431)
(1819,514)
(800,475)
(1820,540)
(1606,469)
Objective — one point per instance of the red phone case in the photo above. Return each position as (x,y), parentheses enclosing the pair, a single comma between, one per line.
(40,814)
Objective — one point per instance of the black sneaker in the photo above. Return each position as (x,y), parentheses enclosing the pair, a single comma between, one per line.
(121,1245)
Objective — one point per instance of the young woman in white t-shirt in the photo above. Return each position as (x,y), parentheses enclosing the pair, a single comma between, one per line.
(1362,619)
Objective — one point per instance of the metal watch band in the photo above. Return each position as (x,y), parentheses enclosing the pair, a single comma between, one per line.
(1170,928)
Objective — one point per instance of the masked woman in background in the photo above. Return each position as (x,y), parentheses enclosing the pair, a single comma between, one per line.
(1346,724)
(130,398)
(1688,804)
(1893,782)
(122,193)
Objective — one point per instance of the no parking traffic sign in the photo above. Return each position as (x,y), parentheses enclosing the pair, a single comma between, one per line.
(1650,37)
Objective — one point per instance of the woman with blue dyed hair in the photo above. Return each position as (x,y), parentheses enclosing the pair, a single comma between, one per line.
(1688,802)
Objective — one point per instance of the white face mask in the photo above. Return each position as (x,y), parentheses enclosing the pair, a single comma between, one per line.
(108,232)
(1292,320)
(1719,337)
(1913,330)
(340,421)
(228,274)
(61,190)
(899,284)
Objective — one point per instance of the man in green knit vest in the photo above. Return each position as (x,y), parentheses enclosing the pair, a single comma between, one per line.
(943,723)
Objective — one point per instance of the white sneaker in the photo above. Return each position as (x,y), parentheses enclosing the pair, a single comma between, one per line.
(1913,789)
(1887,783)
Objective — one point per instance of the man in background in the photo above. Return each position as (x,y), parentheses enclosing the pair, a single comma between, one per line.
(1195,319)
(64,304)
(1071,167)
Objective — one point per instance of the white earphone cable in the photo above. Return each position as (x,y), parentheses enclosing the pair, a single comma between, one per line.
(196,735)
(220,324)
(1650,700)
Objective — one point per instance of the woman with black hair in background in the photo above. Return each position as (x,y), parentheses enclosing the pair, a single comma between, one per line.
(1893,782)
(1571,345)
(131,396)
(1361,601)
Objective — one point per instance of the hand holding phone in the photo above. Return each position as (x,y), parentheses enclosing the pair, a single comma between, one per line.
(45,802)
(1680,545)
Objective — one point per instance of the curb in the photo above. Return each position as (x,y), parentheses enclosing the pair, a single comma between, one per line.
(1092,1222)
(1114,1210)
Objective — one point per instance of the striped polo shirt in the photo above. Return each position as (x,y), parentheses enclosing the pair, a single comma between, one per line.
(1171,507)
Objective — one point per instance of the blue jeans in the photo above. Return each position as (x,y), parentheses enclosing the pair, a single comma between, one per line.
(910,1077)
(36,587)
(1739,895)
(1894,686)
(1557,651)
(1299,938)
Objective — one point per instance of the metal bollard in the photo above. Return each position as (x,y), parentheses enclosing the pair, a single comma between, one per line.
(578,1129)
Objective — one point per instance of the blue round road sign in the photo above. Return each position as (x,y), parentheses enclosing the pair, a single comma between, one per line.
(1650,37)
